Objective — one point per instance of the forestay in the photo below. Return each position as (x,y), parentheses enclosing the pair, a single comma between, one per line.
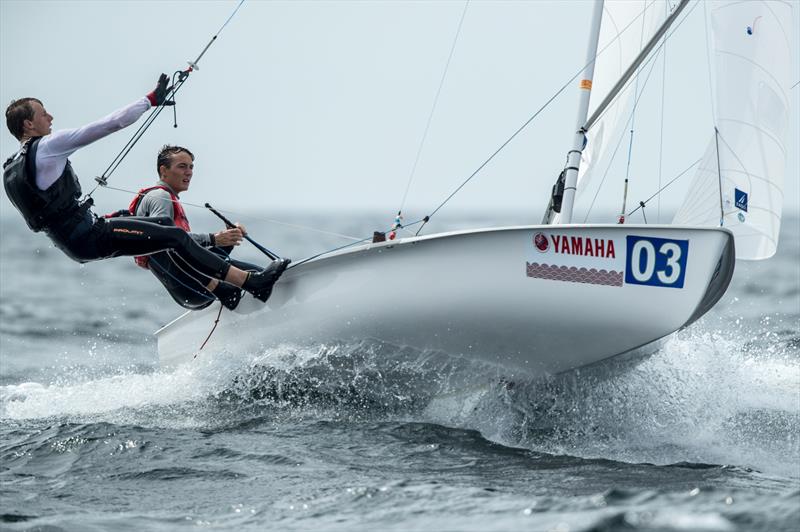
(739,183)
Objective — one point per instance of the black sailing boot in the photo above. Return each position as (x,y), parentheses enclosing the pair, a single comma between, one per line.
(260,283)
(228,294)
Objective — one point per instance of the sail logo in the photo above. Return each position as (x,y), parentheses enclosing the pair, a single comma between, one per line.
(583,246)
(752,28)
(741,199)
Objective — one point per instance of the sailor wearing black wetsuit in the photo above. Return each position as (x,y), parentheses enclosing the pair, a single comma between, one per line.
(41,184)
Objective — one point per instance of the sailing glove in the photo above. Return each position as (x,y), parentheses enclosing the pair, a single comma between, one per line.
(159,95)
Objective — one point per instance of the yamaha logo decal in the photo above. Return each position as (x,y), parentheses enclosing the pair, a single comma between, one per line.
(541,242)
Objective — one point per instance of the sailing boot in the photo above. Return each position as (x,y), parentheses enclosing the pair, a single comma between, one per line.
(228,295)
(260,283)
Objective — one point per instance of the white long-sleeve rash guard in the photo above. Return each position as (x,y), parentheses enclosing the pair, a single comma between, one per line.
(53,150)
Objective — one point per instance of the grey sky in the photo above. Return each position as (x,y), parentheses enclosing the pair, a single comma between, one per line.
(322,105)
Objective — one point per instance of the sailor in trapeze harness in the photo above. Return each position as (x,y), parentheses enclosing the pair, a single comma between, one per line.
(41,184)
(188,288)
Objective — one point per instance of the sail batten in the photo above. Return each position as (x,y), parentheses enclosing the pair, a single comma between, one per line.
(765,133)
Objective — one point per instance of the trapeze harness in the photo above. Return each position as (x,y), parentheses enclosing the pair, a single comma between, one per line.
(182,282)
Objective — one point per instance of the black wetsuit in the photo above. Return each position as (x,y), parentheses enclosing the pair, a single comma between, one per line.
(185,284)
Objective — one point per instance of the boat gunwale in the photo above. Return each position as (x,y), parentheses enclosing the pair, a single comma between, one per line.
(461,232)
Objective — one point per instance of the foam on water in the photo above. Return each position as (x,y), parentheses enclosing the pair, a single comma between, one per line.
(703,398)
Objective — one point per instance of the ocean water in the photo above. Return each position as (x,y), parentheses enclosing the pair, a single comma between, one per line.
(703,435)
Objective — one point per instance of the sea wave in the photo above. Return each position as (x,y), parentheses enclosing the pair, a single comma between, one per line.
(703,398)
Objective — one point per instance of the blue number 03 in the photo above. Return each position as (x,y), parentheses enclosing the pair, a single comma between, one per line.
(656,261)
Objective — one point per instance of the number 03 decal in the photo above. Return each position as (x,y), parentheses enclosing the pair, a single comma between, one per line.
(656,261)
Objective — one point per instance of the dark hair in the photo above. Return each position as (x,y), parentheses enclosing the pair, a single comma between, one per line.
(17,112)
(165,156)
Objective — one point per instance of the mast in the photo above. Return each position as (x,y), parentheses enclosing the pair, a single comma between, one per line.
(566,185)
(579,138)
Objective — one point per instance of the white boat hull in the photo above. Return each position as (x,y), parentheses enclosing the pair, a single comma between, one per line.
(535,299)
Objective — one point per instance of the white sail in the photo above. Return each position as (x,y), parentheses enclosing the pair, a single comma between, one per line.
(627,26)
(740,185)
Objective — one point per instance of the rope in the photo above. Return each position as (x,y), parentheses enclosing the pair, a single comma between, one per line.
(182,77)
(244,215)
(295,264)
(546,104)
(433,107)
(661,134)
(633,126)
(355,239)
(660,190)
(621,137)
(103,179)
(366,239)
(214,328)
(226,22)
(205,294)
(424,220)
(652,55)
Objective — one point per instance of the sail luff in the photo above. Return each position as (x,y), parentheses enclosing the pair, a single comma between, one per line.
(635,65)
(626,26)
(719,177)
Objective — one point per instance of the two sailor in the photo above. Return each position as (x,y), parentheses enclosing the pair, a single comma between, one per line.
(42,185)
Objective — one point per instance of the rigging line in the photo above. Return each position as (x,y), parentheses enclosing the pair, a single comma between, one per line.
(795,85)
(312,257)
(214,328)
(103,179)
(245,215)
(660,190)
(229,19)
(138,135)
(653,54)
(292,265)
(182,77)
(548,102)
(652,57)
(433,107)
(744,169)
(621,137)
(633,125)
(163,270)
(661,133)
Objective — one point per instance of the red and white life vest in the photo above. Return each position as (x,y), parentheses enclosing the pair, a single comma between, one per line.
(178,216)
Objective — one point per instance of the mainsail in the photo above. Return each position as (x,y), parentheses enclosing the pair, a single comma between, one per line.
(739,183)
(627,26)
